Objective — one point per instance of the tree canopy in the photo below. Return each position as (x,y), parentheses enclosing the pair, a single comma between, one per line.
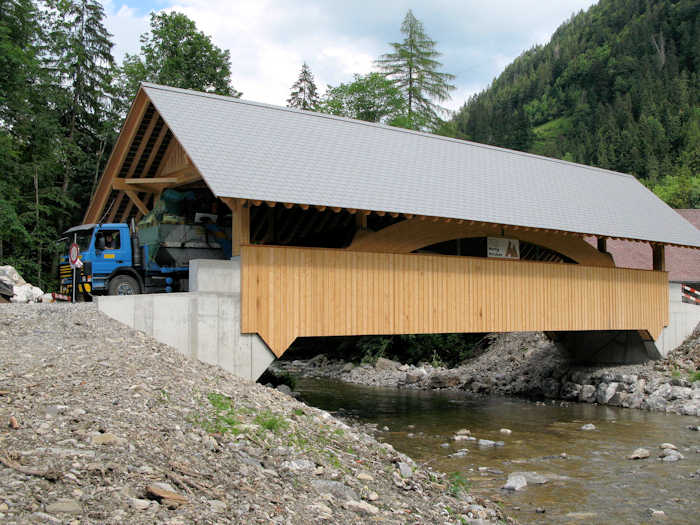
(414,69)
(370,97)
(60,113)
(618,86)
(175,53)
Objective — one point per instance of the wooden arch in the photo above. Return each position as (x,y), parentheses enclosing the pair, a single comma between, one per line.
(410,235)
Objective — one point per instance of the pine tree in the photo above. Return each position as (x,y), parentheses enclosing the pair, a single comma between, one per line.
(80,58)
(413,67)
(303,94)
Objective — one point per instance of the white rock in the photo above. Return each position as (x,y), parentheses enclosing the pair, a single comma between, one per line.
(639,453)
(361,507)
(515,482)
(506,431)
(588,426)
(668,446)
(139,504)
(299,465)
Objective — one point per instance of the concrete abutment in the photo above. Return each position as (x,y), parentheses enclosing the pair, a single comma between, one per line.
(203,323)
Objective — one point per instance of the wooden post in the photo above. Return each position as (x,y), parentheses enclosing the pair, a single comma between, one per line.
(658,257)
(240,227)
(361,221)
(602,244)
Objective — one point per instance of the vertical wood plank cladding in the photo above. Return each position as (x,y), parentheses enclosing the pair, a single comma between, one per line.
(298,292)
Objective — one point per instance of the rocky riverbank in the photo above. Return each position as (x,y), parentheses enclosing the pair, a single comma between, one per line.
(528,364)
(101,424)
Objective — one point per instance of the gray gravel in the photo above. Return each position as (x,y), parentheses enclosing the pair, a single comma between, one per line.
(101,424)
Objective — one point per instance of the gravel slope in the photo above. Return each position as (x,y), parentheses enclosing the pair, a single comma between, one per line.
(101,424)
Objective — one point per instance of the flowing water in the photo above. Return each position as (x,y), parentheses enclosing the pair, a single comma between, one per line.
(594,482)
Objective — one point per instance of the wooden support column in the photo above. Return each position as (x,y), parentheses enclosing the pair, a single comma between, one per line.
(240,227)
(602,244)
(659,258)
(138,202)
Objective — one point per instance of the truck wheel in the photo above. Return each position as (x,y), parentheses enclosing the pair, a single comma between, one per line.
(124,285)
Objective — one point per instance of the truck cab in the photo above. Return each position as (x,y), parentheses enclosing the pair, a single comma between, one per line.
(118,260)
(108,260)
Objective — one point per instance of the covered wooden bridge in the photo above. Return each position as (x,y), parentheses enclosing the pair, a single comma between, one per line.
(349,228)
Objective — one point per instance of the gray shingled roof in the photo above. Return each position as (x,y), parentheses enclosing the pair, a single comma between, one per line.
(262,152)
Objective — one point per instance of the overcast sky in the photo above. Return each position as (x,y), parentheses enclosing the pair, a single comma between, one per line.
(269,39)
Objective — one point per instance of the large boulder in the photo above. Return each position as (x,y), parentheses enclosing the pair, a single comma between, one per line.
(386,364)
(11,276)
(26,294)
(588,394)
(605,392)
(445,380)
(17,289)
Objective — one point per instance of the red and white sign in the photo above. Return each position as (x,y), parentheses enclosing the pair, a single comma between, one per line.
(74,256)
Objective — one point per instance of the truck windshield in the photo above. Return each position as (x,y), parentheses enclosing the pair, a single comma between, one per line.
(83,239)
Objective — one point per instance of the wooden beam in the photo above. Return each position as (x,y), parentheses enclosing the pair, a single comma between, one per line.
(152,180)
(135,161)
(116,158)
(240,228)
(658,257)
(122,185)
(602,244)
(138,202)
(149,162)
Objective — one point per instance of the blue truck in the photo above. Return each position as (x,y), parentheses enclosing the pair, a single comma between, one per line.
(119,260)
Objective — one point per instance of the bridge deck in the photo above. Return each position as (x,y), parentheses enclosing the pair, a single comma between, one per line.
(301,292)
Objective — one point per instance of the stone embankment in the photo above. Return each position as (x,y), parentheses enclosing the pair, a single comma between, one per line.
(101,424)
(528,364)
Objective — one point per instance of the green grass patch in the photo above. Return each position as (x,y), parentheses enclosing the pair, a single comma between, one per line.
(458,484)
(220,417)
(271,421)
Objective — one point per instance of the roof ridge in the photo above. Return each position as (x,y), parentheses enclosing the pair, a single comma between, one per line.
(395,129)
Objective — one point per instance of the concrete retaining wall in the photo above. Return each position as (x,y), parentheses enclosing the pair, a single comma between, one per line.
(683,319)
(203,324)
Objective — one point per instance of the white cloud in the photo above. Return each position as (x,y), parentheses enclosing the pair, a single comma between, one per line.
(269,39)
(126,25)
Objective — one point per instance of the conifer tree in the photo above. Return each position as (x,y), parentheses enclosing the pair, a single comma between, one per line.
(414,69)
(303,94)
(83,69)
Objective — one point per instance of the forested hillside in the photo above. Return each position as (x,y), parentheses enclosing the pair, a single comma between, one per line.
(618,86)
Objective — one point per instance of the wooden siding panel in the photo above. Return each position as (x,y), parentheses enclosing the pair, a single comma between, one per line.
(304,292)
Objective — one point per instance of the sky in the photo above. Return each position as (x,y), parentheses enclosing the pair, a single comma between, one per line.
(270,39)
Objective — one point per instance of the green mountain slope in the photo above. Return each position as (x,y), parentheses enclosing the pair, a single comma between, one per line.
(618,86)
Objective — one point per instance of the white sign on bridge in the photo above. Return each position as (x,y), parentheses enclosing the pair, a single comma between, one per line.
(502,248)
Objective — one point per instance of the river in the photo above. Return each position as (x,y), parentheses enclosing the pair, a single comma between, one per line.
(593,482)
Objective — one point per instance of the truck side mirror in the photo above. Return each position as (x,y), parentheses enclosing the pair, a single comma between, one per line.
(100,242)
